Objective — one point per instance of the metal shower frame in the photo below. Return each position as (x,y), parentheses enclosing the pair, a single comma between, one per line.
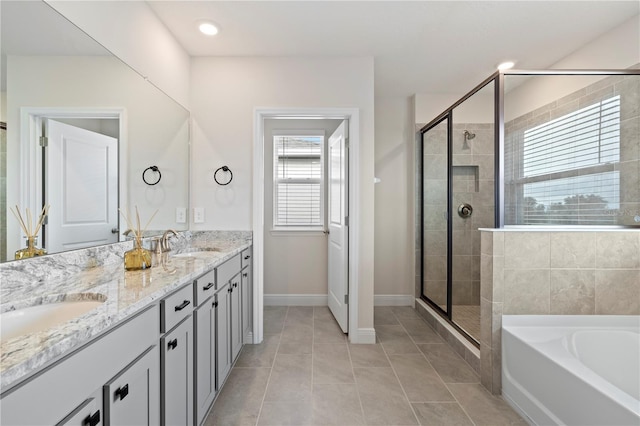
(498,78)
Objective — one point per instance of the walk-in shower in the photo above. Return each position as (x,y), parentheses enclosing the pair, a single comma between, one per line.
(523,149)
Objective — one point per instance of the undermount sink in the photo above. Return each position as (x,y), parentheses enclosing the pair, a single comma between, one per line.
(204,252)
(37,318)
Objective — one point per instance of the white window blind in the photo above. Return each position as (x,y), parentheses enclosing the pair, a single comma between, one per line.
(568,174)
(298,181)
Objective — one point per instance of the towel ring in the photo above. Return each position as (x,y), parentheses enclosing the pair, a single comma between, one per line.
(153,169)
(224,169)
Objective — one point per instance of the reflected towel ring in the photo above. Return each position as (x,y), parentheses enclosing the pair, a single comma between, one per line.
(153,169)
(224,169)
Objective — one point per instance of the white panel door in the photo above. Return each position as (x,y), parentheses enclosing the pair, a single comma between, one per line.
(81,185)
(338,231)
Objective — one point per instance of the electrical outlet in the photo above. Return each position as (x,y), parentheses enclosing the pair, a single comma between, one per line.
(181,215)
(198,215)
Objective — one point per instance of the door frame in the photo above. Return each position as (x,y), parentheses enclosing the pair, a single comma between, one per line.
(31,158)
(353,117)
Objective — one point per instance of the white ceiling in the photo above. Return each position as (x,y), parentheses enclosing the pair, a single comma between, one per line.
(418,46)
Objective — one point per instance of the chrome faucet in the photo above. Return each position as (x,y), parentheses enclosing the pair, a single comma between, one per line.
(164,242)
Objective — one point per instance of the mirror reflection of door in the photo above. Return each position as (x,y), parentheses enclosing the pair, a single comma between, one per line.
(80,184)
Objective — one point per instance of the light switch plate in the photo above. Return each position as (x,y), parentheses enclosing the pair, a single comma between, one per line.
(181,215)
(198,215)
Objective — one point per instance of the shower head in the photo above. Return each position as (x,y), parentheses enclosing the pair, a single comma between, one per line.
(468,135)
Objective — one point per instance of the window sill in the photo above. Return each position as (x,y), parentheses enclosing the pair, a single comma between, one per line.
(297,232)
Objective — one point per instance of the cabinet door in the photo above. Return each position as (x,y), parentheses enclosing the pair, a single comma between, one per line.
(223,333)
(177,374)
(133,396)
(247,305)
(236,317)
(89,413)
(205,366)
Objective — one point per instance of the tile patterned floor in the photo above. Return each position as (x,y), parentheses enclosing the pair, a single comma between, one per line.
(306,373)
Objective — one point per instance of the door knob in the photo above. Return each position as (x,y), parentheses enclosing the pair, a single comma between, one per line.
(114,230)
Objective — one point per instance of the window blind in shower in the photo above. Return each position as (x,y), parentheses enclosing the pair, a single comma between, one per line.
(569,173)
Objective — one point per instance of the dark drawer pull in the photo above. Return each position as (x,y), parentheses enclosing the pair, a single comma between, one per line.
(235,285)
(182,305)
(207,287)
(247,257)
(92,420)
(122,392)
(214,304)
(246,274)
(172,344)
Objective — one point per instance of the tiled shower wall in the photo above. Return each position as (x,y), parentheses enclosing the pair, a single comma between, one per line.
(628,87)
(473,183)
(553,273)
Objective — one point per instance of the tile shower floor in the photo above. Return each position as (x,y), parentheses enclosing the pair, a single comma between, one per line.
(305,373)
(468,318)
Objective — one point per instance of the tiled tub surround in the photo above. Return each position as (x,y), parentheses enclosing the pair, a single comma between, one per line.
(548,272)
(97,273)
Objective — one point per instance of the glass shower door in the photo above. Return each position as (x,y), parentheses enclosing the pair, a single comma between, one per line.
(472,202)
(434,214)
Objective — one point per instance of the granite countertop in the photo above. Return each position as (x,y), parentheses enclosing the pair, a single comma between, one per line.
(123,293)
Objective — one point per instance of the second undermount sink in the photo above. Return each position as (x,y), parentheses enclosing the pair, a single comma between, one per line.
(33,319)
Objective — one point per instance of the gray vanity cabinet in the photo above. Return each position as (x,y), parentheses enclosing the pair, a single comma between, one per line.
(236,316)
(177,374)
(73,386)
(205,351)
(177,347)
(223,334)
(130,398)
(247,295)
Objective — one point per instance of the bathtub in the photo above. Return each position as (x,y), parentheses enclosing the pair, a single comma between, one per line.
(572,370)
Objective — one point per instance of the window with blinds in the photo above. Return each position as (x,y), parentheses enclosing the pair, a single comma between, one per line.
(298,181)
(568,167)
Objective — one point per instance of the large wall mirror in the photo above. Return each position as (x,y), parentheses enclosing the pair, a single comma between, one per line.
(103,127)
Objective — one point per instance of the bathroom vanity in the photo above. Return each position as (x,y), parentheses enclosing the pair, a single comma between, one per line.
(156,351)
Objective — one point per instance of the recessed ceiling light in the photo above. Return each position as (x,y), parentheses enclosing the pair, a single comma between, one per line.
(208,28)
(506,65)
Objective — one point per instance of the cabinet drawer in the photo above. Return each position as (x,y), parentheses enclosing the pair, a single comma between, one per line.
(205,286)
(228,270)
(247,257)
(175,308)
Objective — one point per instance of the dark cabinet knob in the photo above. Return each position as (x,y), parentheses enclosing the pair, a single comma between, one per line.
(122,392)
(247,257)
(92,419)
(182,305)
(246,274)
(207,287)
(172,344)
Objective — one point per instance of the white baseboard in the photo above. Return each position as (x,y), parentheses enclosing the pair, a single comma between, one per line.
(248,338)
(296,300)
(393,300)
(365,336)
